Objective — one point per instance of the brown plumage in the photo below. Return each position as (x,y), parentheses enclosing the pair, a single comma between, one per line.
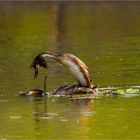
(78,68)
(75,90)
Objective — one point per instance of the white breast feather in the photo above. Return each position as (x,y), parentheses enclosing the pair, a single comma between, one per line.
(76,72)
(30,93)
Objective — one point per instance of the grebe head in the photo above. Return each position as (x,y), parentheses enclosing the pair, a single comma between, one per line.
(38,61)
(36,92)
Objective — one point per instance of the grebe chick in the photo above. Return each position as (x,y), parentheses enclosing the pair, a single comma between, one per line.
(36,92)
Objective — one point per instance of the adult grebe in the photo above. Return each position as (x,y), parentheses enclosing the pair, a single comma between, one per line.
(36,92)
(77,68)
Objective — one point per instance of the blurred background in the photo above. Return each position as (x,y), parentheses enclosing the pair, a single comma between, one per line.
(105,35)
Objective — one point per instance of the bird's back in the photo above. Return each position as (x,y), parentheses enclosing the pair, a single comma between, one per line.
(78,69)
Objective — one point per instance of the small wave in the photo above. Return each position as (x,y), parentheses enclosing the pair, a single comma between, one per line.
(15,117)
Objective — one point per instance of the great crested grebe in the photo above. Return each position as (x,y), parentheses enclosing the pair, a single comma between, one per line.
(36,92)
(77,68)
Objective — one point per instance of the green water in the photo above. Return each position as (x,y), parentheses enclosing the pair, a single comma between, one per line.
(105,35)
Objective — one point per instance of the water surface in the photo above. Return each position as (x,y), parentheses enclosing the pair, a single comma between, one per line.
(105,35)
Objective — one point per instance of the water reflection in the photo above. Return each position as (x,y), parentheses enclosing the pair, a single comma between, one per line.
(51,114)
(60,10)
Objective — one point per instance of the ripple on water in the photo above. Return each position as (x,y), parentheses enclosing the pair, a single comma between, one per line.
(15,117)
(52,114)
(63,120)
(135,87)
(88,113)
(2,100)
(108,88)
(46,118)
(119,109)
(130,95)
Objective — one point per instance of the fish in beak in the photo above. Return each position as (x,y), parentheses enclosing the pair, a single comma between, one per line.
(38,62)
(36,72)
